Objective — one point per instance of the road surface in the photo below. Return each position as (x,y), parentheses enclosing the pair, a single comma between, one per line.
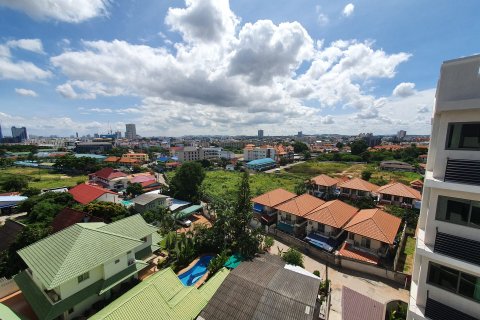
(283,167)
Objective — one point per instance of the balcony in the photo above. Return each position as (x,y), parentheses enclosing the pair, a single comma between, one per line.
(463,171)
(438,311)
(457,247)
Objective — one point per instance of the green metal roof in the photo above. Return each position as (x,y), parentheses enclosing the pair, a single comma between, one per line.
(162,297)
(132,227)
(187,212)
(74,251)
(6,313)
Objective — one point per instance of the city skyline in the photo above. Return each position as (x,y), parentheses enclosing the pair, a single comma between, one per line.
(227,68)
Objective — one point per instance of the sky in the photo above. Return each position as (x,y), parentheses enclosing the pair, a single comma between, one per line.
(219,67)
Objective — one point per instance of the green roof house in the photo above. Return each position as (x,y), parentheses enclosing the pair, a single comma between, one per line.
(162,296)
(80,265)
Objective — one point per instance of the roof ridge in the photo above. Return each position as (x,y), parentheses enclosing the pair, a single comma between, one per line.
(375,222)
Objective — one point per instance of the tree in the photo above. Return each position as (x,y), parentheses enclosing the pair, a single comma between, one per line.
(29,192)
(161,217)
(339,145)
(217,263)
(358,146)
(15,183)
(185,185)
(366,175)
(336,157)
(300,188)
(293,256)
(307,155)
(299,147)
(283,161)
(134,189)
(108,211)
(43,208)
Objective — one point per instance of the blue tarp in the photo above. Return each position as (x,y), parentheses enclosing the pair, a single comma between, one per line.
(321,242)
(285,227)
(257,207)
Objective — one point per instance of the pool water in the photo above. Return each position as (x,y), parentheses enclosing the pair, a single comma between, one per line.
(197,271)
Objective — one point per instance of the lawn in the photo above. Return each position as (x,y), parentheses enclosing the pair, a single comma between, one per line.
(41,178)
(313,168)
(409,251)
(403,177)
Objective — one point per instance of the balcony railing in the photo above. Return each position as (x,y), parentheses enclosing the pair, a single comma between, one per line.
(457,247)
(463,171)
(438,311)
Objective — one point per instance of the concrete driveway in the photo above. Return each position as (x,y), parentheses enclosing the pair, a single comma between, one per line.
(374,287)
(283,167)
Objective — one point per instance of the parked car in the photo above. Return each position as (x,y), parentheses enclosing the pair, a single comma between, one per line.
(184,222)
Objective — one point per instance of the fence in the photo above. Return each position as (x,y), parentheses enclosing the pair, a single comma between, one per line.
(7,287)
(401,246)
(332,259)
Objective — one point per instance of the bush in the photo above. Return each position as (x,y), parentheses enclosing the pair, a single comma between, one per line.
(268,242)
(293,256)
(217,263)
(366,175)
(317,273)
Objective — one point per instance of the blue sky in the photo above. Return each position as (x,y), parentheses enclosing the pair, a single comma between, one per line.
(220,67)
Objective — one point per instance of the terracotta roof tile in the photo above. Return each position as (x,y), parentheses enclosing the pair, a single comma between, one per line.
(274,197)
(333,213)
(324,180)
(109,173)
(359,184)
(86,193)
(301,205)
(111,159)
(346,250)
(401,190)
(375,224)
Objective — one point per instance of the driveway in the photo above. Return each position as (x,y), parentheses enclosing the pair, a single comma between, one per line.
(374,287)
(283,167)
(12,216)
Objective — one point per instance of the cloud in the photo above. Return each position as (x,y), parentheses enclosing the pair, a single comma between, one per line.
(404,89)
(327,120)
(322,18)
(34,45)
(348,10)
(26,92)
(423,109)
(66,11)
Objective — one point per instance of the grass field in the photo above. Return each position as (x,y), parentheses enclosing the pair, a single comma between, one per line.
(41,178)
(409,252)
(310,169)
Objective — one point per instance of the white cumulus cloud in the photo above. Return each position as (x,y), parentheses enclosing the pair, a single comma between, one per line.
(61,10)
(348,10)
(34,45)
(26,92)
(404,89)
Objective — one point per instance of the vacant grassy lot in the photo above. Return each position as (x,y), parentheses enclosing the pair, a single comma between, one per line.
(41,178)
(313,168)
(409,251)
(403,177)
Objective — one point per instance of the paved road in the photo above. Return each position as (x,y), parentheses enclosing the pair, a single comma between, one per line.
(374,287)
(283,167)
(12,216)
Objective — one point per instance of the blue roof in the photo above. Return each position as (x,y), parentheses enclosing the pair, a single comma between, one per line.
(261,161)
(163,159)
(90,155)
(25,164)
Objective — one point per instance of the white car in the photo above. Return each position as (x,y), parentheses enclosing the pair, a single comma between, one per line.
(184,222)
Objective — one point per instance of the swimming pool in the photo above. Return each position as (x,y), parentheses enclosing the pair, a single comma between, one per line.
(197,271)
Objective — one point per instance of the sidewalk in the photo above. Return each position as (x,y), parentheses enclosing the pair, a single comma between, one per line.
(374,287)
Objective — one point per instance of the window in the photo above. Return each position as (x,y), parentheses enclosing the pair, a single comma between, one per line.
(387,197)
(321,227)
(351,236)
(117,261)
(458,211)
(83,277)
(458,282)
(366,243)
(407,200)
(463,136)
(144,239)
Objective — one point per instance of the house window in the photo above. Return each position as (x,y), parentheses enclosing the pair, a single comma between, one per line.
(458,211)
(463,136)
(407,200)
(144,239)
(321,227)
(117,261)
(288,217)
(395,198)
(346,190)
(458,282)
(387,197)
(83,277)
(366,243)
(351,236)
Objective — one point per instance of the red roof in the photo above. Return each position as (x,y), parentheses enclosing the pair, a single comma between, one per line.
(86,193)
(375,224)
(68,217)
(109,173)
(112,159)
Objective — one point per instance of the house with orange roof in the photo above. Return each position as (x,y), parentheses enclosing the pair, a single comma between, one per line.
(329,219)
(110,178)
(128,162)
(357,188)
(291,214)
(140,157)
(323,186)
(417,185)
(264,205)
(398,194)
(86,193)
(370,231)
(111,159)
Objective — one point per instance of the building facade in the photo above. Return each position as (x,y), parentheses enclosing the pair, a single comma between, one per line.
(19,134)
(254,153)
(130,131)
(446,272)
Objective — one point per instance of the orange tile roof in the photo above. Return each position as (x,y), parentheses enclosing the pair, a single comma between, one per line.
(274,197)
(417,183)
(359,184)
(346,250)
(375,224)
(111,159)
(324,180)
(126,160)
(334,213)
(301,205)
(400,190)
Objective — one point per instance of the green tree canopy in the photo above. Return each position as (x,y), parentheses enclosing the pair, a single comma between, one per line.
(185,185)
(15,183)
(358,146)
(299,147)
(293,256)
(134,189)
(108,211)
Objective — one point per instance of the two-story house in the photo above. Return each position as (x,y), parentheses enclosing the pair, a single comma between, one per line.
(149,201)
(86,193)
(112,179)
(446,272)
(398,194)
(323,186)
(264,205)
(291,214)
(357,188)
(74,268)
(371,231)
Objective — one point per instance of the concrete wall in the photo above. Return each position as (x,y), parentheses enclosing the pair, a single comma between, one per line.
(72,286)
(7,287)
(111,268)
(374,244)
(108,197)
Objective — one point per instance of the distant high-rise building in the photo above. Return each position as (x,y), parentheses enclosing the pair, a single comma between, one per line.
(1,135)
(260,134)
(401,134)
(118,134)
(19,134)
(130,131)
(300,134)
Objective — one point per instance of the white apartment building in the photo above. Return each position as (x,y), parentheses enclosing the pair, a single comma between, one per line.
(199,153)
(254,153)
(446,273)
